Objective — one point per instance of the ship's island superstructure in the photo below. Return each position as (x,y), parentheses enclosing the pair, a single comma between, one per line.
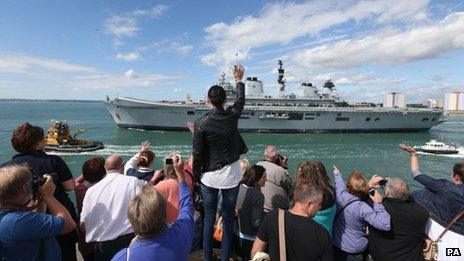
(312,111)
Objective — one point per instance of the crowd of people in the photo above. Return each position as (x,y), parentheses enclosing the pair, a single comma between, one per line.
(131,211)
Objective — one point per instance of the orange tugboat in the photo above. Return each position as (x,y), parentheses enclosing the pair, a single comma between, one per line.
(59,139)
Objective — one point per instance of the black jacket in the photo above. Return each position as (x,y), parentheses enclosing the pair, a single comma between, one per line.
(404,240)
(216,140)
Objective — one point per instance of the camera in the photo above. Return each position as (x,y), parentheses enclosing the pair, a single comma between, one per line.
(382,182)
(372,192)
(168,162)
(282,161)
(38,181)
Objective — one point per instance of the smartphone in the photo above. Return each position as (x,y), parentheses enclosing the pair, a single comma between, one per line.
(382,182)
(372,192)
(168,162)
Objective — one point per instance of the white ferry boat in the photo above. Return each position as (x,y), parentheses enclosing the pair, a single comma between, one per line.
(437,147)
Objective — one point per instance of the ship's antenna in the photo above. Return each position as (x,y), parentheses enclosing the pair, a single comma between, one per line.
(280,79)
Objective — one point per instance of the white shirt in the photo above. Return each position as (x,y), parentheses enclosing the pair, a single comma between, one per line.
(449,240)
(225,178)
(104,209)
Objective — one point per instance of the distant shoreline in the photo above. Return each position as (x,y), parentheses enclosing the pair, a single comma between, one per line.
(52,100)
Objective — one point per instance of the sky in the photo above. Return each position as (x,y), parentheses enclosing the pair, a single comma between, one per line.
(162,50)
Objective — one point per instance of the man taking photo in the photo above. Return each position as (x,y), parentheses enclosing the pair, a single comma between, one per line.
(25,233)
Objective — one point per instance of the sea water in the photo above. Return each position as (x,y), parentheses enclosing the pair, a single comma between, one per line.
(370,153)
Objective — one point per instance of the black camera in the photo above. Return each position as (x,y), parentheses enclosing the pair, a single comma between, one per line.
(382,182)
(282,161)
(38,181)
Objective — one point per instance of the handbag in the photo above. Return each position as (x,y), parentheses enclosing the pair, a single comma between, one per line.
(217,234)
(430,247)
(282,248)
(196,192)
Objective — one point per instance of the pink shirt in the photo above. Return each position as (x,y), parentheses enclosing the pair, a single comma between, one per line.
(170,190)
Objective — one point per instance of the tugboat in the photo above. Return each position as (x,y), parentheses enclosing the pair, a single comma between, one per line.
(437,147)
(59,139)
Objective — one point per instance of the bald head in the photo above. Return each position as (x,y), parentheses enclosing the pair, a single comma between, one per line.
(114,162)
(270,152)
(397,188)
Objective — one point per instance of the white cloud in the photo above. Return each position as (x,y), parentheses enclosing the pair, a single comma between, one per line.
(437,78)
(126,80)
(281,23)
(132,56)
(367,79)
(34,65)
(168,46)
(131,74)
(388,46)
(127,24)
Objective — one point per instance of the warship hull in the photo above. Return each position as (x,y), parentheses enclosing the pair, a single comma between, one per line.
(152,115)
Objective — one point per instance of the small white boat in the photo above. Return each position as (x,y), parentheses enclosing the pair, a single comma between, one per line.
(437,147)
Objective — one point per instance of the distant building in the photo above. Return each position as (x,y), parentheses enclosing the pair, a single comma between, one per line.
(440,104)
(454,101)
(394,100)
(431,104)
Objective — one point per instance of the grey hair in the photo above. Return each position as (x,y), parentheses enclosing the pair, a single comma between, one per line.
(397,188)
(270,152)
(304,193)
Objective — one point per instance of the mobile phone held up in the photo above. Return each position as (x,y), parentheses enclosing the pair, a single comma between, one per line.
(168,162)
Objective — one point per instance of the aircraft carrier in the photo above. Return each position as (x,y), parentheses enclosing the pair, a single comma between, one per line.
(311,111)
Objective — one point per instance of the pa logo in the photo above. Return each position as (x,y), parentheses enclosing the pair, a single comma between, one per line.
(453,251)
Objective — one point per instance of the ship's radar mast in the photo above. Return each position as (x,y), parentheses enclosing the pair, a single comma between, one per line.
(230,91)
(329,84)
(280,79)
(222,79)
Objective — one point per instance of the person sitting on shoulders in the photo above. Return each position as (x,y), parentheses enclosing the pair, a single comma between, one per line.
(154,240)
(216,148)
(93,170)
(349,231)
(404,241)
(444,200)
(315,173)
(25,232)
(278,183)
(250,202)
(304,238)
(140,165)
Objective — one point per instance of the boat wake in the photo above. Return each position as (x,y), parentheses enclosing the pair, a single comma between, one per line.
(130,150)
(460,154)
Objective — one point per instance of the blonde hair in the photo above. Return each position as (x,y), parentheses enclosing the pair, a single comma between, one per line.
(12,179)
(357,184)
(147,212)
(244,165)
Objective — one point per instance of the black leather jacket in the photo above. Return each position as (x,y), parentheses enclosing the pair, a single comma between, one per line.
(216,140)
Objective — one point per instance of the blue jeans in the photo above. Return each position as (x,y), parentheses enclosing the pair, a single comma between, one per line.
(210,198)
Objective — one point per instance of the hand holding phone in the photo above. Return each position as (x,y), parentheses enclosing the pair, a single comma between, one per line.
(375,196)
(178,166)
(168,161)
